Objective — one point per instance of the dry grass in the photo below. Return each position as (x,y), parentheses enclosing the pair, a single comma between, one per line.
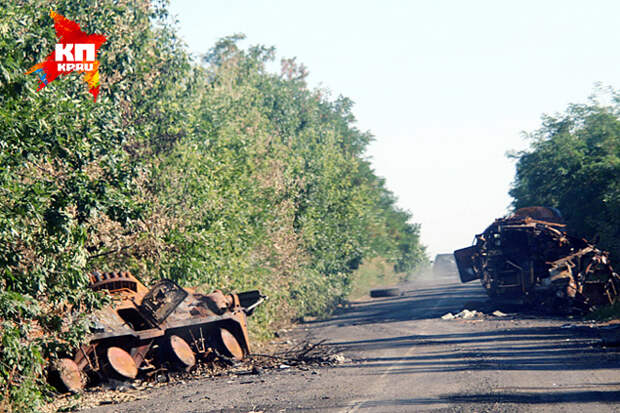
(374,273)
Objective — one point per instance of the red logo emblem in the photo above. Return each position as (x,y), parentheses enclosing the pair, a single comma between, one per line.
(75,51)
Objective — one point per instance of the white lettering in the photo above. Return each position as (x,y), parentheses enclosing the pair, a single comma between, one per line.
(81,48)
(84,52)
(67,67)
(63,52)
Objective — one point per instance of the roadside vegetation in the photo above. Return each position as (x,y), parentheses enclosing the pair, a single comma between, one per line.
(573,164)
(375,273)
(214,173)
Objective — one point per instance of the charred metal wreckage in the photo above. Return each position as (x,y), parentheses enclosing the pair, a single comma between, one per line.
(163,326)
(529,256)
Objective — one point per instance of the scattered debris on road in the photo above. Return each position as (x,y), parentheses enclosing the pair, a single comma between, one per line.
(530,256)
(469,314)
(463,315)
(338,359)
(286,355)
(303,354)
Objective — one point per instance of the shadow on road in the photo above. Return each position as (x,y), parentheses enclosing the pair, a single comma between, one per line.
(582,396)
(543,348)
(552,348)
(416,304)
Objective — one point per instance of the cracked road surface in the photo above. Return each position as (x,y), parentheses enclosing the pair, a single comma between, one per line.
(405,358)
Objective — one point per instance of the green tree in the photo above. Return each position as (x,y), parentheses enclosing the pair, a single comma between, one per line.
(215,174)
(574,165)
(72,173)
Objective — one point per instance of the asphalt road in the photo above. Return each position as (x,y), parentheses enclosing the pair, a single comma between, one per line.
(405,358)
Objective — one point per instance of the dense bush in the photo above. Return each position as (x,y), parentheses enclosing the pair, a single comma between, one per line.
(574,165)
(216,174)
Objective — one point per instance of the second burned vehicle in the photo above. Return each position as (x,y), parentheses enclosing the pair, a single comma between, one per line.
(444,265)
(165,326)
(530,256)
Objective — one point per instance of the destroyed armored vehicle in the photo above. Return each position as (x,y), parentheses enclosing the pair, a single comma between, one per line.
(444,265)
(530,257)
(163,327)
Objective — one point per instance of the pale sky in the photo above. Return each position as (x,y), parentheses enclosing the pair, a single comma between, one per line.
(446,87)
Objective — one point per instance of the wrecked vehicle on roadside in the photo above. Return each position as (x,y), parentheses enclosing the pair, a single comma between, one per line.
(165,326)
(444,265)
(530,257)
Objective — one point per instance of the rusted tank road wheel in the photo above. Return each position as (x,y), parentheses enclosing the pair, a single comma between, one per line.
(230,344)
(121,362)
(69,375)
(182,352)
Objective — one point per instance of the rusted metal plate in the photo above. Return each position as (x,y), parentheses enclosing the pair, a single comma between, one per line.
(544,214)
(177,321)
(231,345)
(182,352)
(123,333)
(150,333)
(465,263)
(531,255)
(115,282)
(69,374)
(249,300)
(162,299)
(121,362)
(138,354)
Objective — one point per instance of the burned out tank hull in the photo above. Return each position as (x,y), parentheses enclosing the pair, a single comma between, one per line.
(529,256)
(165,326)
